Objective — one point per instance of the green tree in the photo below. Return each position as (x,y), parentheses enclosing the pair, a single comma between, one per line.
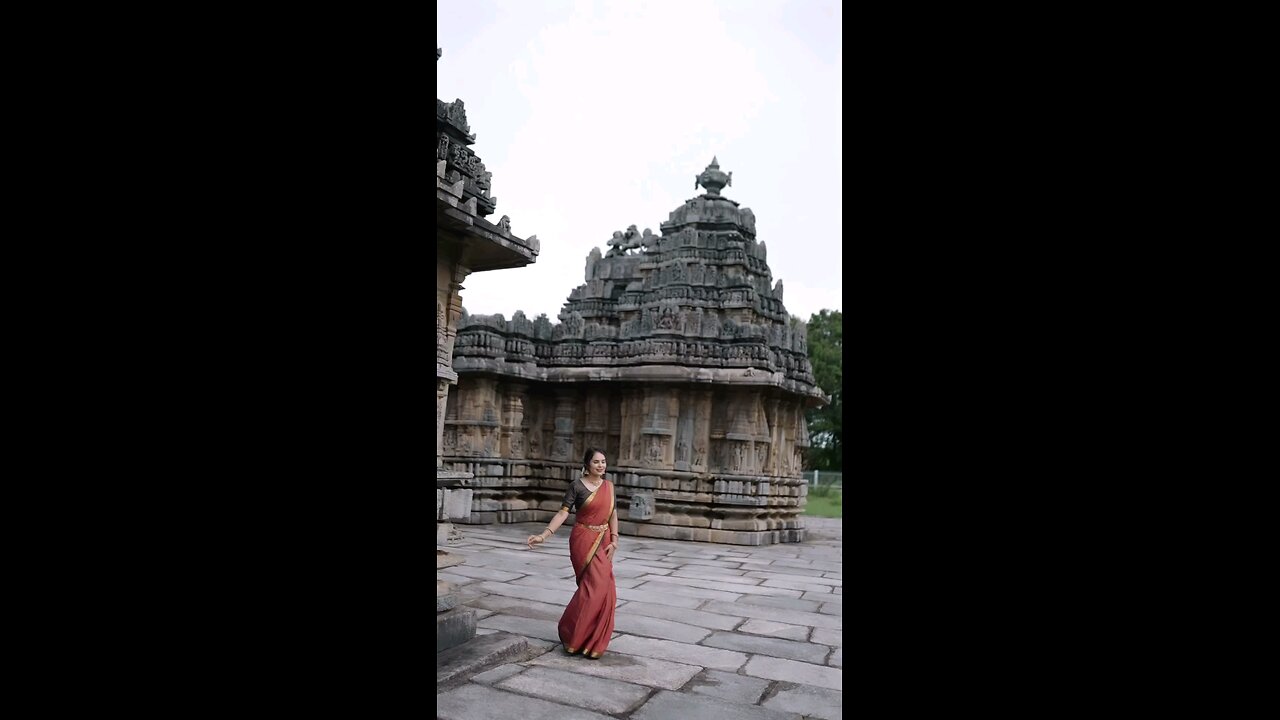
(826,354)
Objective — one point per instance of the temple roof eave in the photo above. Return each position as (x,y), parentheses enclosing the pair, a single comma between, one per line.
(488,246)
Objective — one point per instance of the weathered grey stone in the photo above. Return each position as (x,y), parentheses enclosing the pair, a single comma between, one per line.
(780,602)
(629,668)
(446,598)
(694,555)
(808,588)
(658,597)
(477,702)
(630,569)
(527,592)
(725,567)
(454,627)
(683,615)
(722,585)
(834,608)
(654,584)
(485,573)
(519,607)
(773,647)
(770,628)
(837,658)
(834,598)
(502,672)
(668,705)
(655,627)
(793,671)
(715,574)
(627,582)
(645,554)
(544,629)
(449,558)
(601,694)
(827,637)
(452,579)
(679,652)
(641,506)
(460,662)
(792,617)
(794,562)
(781,571)
(566,584)
(457,504)
(812,702)
(730,686)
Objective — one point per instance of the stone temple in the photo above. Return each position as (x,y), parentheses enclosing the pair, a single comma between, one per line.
(676,356)
(466,242)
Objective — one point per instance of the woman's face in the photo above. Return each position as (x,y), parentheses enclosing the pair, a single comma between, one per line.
(597,465)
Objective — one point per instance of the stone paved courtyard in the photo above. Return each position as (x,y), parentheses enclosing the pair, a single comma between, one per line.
(702,631)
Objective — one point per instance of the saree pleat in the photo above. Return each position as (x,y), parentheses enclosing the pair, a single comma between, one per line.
(587,623)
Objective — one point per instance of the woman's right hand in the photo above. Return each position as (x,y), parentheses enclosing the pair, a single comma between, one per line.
(534,540)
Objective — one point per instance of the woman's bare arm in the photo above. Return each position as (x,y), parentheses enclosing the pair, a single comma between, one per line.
(552,526)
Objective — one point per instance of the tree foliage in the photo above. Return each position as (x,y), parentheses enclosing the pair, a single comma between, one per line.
(826,354)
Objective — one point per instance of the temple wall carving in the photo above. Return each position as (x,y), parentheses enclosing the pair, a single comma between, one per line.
(738,492)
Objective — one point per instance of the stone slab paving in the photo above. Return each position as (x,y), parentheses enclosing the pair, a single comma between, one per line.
(713,621)
(629,668)
(813,702)
(773,647)
(730,686)
(566,686)
(668,705)
(702,630)
(769,628)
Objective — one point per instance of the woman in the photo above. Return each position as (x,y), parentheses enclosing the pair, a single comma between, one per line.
(587,622)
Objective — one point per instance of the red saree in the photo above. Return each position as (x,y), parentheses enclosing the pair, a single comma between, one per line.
(587,623)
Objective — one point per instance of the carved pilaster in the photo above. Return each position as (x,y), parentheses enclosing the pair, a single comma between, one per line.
(513,433)
(562,440)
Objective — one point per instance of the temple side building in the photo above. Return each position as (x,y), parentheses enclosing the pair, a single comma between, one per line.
(466,242)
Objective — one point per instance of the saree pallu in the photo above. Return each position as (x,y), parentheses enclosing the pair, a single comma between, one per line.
(587,623)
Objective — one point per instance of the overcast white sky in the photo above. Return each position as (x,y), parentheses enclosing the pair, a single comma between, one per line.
(595,115)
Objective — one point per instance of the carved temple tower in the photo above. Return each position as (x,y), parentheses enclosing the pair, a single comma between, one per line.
(677,357)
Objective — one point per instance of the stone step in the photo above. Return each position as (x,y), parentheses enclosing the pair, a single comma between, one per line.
(483,652)
(454,627)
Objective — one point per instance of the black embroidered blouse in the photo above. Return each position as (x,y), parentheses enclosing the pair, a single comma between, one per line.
(577,494)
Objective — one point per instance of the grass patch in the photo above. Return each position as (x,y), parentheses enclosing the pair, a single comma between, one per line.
(824,502)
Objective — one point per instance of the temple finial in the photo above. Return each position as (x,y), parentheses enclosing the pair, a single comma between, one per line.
(712,179)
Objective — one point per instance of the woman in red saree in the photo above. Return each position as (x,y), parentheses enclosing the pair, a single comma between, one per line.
(587,623)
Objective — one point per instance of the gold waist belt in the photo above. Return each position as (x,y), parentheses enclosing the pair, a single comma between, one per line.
(597,528)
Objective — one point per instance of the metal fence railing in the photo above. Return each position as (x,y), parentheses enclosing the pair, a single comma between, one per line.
(824,478)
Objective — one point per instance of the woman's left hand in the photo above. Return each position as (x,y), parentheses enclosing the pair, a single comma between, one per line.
(608,550)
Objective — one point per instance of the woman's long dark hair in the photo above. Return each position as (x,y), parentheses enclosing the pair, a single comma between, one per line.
(586,459)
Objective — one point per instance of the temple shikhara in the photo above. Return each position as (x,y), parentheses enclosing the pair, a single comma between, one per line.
(676,356)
